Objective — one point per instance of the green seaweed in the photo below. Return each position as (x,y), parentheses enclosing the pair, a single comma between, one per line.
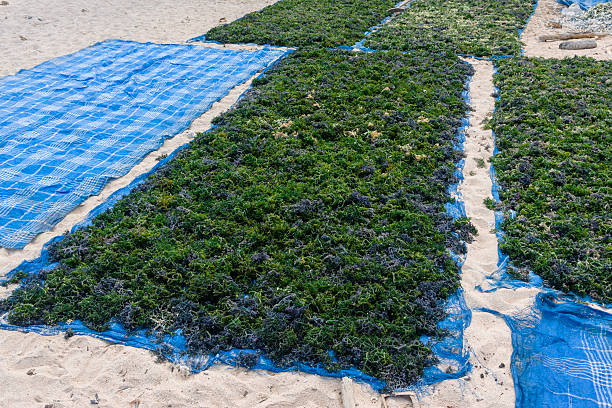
(480,28)
(553,128)
(305,23)
(311,219)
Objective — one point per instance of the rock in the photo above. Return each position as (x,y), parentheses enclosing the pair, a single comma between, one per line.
(578,45)
(4,3)
(502,365)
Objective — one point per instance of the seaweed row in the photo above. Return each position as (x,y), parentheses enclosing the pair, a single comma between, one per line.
(480,28)
(553,129)
(305,23)
(310,224)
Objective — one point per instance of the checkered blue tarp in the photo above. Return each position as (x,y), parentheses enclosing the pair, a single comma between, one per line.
(70,124)
(562,355)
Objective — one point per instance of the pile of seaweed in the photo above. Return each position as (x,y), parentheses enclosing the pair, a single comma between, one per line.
(305,23)
(309,224)
(553,128)
(480,28)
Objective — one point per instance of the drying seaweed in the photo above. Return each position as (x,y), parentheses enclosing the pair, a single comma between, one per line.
(553,129)
(310,220)
(305,23)
(474,27)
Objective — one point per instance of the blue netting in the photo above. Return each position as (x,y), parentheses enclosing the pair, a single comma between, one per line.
(584,4)
(562,354)
(70,124)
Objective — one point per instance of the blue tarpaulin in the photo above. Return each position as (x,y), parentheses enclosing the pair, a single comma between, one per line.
(451,349)
(562,354)
(584,4)
(70,124)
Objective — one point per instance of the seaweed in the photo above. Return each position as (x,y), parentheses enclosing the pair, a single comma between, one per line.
(553,129)
(309,224)
(305,23)
(479,28)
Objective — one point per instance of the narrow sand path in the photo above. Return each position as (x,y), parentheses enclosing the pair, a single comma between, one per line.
(489,384)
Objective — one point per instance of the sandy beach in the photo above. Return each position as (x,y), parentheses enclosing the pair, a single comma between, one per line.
(54,372)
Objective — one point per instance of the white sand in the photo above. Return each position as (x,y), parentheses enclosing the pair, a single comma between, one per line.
(34,31)
(549,11)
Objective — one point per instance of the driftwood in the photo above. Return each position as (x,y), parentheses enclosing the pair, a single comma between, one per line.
(578,45)
(569,36)
(414,401)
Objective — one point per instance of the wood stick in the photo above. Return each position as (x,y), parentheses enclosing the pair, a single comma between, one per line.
(569,36)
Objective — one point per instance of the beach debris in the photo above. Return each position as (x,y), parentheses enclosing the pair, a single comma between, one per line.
(578,45)
(96,400)
(69,333)
(569,36)
(22,38)
(401,396)
(596,19)
(4,3)
(31,371)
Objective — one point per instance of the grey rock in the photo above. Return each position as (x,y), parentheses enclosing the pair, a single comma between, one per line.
(578,45)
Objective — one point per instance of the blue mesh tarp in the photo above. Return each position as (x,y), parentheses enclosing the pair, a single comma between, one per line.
(562,354)
(451,349)
(584,4)
(70,124)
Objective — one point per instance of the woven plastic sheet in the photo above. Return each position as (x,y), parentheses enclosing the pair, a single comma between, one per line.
(584,4)
(450,350)
(562,354)
(70,124)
